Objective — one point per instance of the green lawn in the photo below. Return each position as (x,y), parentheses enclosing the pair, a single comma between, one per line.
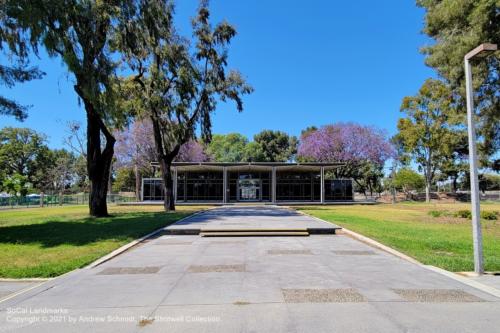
(46,242)
(444,241)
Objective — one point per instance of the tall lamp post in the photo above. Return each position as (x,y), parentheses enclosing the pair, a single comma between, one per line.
(480,51)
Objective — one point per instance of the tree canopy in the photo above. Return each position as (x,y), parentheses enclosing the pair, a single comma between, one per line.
(80,32)
(345,142)
(22,151)
(425,133)
(408,180)
(177,85)
(363,149)
(15,47)
(275,146)
(457,27)
(227,147)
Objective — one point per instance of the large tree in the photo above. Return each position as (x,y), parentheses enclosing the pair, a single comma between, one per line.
(425,133)
(228,147)
(178,85)
(192,151)
(458,26)
(363,149)
(79,32)
(15,48)
(276,146)
(24,151)
(62,172)
(135,150)
(408,180)
(345,142)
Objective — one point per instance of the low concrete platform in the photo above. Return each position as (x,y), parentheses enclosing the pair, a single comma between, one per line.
(250,218)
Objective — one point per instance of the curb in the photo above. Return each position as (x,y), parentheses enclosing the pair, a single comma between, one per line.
(22,291)
(25,279)
(41,280)
(471,283)
(467,281)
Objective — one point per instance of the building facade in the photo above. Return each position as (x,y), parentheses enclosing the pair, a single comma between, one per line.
(251,182)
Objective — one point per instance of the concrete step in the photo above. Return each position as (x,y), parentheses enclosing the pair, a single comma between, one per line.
(241,233)
(222,229)
(196,231)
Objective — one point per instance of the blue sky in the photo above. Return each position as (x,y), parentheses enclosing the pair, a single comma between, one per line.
(310,62)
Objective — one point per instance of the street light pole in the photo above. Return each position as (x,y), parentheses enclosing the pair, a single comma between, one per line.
(474,181)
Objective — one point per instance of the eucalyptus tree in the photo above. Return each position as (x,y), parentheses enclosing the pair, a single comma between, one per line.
(425,133)
(178,84)
(15,48)
(79,33)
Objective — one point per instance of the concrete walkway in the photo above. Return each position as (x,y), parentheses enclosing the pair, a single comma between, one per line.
(320,283)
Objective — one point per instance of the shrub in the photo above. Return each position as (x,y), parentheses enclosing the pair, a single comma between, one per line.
(437,213)
(464,213)
(489,215)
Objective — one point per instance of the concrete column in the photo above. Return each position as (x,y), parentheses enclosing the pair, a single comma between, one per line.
(322,187)
(273,185)
(175,183)
(224,185)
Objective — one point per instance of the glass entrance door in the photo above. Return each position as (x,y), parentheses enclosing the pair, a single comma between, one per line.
(249,190)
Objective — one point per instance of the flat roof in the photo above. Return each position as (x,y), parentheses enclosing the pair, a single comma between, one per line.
(306,166)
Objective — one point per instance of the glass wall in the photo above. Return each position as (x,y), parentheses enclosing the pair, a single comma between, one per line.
(152,189)
(298,186)
(338,190)
(200,186)
(251,186)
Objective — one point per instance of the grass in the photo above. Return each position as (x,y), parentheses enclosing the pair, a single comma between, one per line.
(430,233)
(46,242)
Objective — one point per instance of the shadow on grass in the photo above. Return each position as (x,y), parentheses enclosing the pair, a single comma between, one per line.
(87,230)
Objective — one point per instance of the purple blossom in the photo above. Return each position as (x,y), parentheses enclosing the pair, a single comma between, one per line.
(346,142)
(135,146)
(192,151)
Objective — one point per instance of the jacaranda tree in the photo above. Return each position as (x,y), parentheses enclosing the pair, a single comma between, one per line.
(361,148)
(135,150)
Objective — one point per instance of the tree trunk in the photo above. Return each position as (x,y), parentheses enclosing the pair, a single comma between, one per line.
(427,191)
(428,179)
(98,162)
(454,184)
(137,183)
(168,183)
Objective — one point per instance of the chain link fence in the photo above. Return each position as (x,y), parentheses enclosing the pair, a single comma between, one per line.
(56,200)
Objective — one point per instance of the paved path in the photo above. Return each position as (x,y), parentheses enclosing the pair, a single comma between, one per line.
(321,283)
